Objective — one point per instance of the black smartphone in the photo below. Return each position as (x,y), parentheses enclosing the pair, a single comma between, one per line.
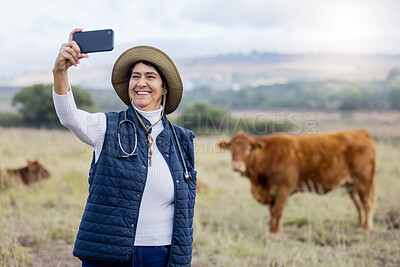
(95,41)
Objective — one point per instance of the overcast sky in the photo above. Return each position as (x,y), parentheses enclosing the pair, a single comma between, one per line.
(33,31)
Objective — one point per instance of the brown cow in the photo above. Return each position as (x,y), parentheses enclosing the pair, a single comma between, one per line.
(280,165)
(202,186)
(33,172)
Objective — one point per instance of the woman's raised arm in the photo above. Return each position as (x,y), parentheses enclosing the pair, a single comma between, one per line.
(69,55)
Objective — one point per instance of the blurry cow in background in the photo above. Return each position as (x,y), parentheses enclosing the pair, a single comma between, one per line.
(33,172)
(202,186)
(280,165)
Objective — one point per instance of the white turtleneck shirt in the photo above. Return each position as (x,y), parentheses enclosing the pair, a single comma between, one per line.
(155,221)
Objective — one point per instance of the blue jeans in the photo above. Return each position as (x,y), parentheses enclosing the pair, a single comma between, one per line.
(142,257)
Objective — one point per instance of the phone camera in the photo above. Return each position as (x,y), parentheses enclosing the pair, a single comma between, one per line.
(109,32)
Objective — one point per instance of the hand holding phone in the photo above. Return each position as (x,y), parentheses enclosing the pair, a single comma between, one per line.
(79,44)
(95,41)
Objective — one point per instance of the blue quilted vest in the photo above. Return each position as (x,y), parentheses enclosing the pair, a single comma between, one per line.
(108,227)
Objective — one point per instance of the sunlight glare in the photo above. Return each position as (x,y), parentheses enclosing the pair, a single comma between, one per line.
(348,27)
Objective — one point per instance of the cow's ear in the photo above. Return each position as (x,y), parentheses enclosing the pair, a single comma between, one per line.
(28,161)
(223,145)
(256,146)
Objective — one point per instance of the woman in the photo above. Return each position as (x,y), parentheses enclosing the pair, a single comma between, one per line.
(139,211)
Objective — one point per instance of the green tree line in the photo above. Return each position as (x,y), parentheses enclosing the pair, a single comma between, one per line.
(330,95)
(309,95)
(204,118)
(36,108)
(199,106)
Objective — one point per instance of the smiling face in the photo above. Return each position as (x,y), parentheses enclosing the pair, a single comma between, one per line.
(146,87)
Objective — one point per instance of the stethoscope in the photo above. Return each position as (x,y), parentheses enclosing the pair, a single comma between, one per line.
(186,175)
(126,154)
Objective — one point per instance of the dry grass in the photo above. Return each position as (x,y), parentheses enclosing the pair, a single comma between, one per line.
(38,224)
(36,220)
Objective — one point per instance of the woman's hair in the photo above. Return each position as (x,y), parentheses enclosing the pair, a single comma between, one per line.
(164,81)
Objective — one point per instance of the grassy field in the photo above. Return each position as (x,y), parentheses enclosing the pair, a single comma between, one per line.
(38,224)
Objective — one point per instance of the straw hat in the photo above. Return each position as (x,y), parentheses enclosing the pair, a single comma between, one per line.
(120,79)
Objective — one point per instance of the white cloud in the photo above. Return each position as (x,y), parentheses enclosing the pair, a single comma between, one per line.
(32,31)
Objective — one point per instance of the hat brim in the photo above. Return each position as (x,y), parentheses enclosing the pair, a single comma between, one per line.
(120,79)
